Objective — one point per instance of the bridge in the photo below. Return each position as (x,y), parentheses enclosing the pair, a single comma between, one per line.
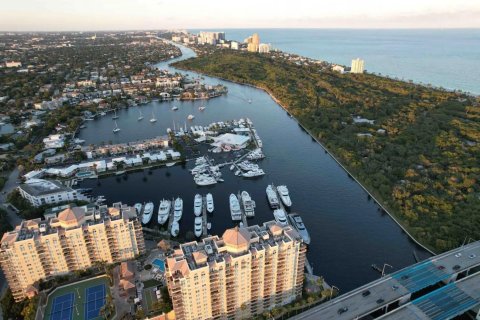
(441,287)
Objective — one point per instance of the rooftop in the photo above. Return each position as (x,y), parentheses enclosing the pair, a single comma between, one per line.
(38,187)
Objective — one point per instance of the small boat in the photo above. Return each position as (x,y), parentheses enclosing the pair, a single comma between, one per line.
(284,195)
(178,209)
(164,211)
(170,164)
(210,206)
(297,222)
(175,229)
(115,115)
(249,100)
(209,226)
(191,117)
(102,114)
(235,208)
(82,126)
(272,197)
(201,108)
(232,167)
(116,129)
(78,141)
(204,180)
(138,207)
(280,216)
(153,119)
(198,227)
(174,108)
(253,173)
(248,204)
(197,205)
(140,117)
(147,213)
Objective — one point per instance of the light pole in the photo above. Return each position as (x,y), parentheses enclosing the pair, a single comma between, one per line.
(383,269)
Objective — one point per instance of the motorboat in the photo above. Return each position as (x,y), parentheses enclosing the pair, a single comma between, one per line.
(256,154)
(284,195)
(297,222)
(272,197)
(153,119)
(175,229)
(198,226)
(235,208)
(78,141)
(248,204)
(177,209)
(201,108)
(210,206)
(164,211)
(115,115)
(147,213)
(209,226)
(204,180)
(174,108)
(116,129)
(247,166)
(280,216)
(140,116)
(197,205)
(138,207)
(191,117)
(253,173)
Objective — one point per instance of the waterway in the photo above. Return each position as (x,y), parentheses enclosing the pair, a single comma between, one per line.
(348,230)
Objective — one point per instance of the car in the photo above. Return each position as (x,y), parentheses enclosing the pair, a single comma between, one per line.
(440,267)
(404,277)
(456,267)
(458,255)
(366,293)
(379,301)
(472,256)
(395,287)
(342,310)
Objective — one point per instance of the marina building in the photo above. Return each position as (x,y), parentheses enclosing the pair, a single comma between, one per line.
(357,66)
(40,192)
(242,274)
(75,239)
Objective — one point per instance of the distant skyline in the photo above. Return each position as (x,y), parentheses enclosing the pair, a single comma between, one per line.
(86,15)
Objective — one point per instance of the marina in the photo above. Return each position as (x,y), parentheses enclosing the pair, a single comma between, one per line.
(341,220)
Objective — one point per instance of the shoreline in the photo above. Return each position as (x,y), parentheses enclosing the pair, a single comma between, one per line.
(392,216)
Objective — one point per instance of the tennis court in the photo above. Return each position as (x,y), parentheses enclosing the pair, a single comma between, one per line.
(78,301)
(62,308)
(95,301)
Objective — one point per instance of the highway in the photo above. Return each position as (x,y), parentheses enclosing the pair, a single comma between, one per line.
(399,286)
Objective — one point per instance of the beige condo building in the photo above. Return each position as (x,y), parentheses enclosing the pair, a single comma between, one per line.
(247,271)
(75,239)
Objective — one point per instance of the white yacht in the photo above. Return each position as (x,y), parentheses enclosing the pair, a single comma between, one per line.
(253,173)
(284,195)
(204,180)
(272,197)
(280,216)
(248,204)
(201,108)
(138,207)
(116,129)
(164,211)
(297,222)
(198,227)
(147,213)
(175,229)
(191,117)
(178,209)
(235,208)
(197,205)
(174,108)
(140,116)
(210,206)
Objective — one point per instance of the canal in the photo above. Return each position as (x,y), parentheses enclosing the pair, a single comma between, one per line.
(349,232)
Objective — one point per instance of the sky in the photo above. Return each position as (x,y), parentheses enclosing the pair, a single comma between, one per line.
(85,15)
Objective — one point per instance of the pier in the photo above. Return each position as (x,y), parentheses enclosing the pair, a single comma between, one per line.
(171,216)
(244,216)
(204,216)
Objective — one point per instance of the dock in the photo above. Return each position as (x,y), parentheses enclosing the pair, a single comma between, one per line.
(244,216)
(204,216)
(171,216)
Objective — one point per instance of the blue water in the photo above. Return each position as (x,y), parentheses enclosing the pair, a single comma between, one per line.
(446,58)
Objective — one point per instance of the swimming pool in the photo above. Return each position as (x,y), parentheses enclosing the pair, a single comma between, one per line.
(159,264)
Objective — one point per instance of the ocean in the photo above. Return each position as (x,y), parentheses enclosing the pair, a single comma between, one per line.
(446,58)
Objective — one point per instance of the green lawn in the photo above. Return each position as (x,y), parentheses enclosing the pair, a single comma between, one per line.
(79,290)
